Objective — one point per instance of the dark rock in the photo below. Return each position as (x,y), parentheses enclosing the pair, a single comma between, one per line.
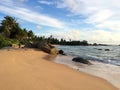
(107,49)
(81,60)
(61,52)
(99,49)
(44,46)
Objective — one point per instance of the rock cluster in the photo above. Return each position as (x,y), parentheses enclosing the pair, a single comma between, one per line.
(44,46)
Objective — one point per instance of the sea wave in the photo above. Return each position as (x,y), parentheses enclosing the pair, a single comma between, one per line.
(95,53)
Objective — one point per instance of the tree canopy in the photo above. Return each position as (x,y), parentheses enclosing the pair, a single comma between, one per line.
(11,32)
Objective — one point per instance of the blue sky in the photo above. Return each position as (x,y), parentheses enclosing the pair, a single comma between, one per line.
(93,20)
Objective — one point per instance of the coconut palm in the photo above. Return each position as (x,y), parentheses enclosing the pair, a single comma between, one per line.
(30,35)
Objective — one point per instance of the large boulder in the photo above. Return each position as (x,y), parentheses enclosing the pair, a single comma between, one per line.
(46,47)
(81,60)
(53,51)
(29,45)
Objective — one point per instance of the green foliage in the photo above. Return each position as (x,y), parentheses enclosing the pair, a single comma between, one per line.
(12,33)
(30,34)
(4,43)
(62,41)
(21,36)
(8,42)
(14,41)
(1,37)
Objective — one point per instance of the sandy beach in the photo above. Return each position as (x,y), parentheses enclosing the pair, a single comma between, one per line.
(29,69)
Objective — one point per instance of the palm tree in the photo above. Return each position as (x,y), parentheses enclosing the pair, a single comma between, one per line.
(30,35)
(1,37)
(9,26)
(21,36)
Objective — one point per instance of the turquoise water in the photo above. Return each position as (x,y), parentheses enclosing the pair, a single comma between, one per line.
(97,53)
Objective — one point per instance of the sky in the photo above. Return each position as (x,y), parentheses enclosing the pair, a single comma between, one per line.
(97,21)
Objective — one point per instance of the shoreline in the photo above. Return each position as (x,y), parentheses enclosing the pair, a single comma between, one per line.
(92,69)
(31,69)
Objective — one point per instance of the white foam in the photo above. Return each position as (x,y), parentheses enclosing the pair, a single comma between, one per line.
(109,72)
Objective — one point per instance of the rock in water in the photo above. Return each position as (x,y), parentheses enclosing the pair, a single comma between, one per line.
(99,49)
(81,60)
(61,52)
(107,49)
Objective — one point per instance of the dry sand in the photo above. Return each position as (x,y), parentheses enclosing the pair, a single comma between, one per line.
(29,70)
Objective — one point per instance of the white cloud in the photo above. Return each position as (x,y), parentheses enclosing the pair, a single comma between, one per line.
(45,2)
(100,16)
(39,27)
(88,6)
(75,6)
(31,16)
(96,11)
(6,2)
(113,25)
(102,36)
(12,2)
(67,34)
(103,15)
(23,0)
(93,36)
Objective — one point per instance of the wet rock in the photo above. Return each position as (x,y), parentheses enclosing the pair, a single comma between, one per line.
(99,49)
(107,49)
(61,52)
(81,60)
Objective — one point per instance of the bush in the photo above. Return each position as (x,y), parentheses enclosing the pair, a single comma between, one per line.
(8,42)
(14,41)
(4,43)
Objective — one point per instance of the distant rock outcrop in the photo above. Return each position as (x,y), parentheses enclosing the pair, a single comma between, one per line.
(47,48)
(99,49)
(81,60)
(107,49)
(44,46)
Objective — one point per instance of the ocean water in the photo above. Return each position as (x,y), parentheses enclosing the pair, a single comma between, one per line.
(106,64)
(97,53)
